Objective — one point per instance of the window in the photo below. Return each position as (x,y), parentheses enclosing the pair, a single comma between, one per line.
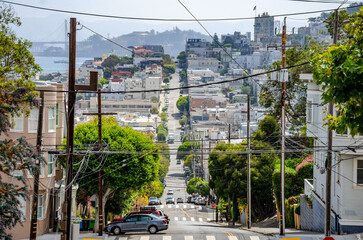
(309,111)
(359,171)
(51,119)
(40,205)
(19,124)
(144,218)
(33,120)
(22,207)
(57,114)
(131,219)
(50,164)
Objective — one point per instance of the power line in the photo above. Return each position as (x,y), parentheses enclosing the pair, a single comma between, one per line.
(164,19)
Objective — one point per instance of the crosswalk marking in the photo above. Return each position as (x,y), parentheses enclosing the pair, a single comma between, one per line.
(200,219)
(169,206)
(161,206)
(166,237)
(176,218)
(188,237)
(144,238)
(192,219)
(200,208)
(177,206)
(210,238)
(184,218)
(232,238)
(184,206)
(208,219)
(192,206)
(123,238)
(254,238)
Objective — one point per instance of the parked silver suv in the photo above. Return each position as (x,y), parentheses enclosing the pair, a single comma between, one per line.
(138,223)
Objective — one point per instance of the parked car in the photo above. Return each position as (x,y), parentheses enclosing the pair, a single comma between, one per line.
(200,201)
(170,200)
(178,161)
(143,210)
(154,201)
(138,223)
(170,192)
(189,199)
(179,200)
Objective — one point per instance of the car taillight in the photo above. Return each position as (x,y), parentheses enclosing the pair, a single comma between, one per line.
(166,216)
(164,221)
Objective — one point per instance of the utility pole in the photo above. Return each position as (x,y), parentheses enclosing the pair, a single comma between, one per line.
(229,133)
(34,213)
(67,207)
(329,159)
(201,160)
(100,195)
(283,79)
(248,165)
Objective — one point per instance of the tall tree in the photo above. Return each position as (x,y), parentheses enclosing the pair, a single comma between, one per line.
(339,70)
(17,95)
(183,104)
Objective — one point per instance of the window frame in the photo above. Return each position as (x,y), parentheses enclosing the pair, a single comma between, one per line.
(52,120)
(33,118)
(50,163)
(18,118)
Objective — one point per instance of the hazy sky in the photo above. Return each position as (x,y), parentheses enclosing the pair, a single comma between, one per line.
(40,25)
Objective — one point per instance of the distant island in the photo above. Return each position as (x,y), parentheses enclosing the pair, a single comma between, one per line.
(172,40)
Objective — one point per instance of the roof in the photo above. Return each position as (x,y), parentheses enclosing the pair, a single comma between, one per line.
(307,159)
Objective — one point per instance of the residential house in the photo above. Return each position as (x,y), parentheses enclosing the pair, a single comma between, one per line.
(53,133)
(347,171)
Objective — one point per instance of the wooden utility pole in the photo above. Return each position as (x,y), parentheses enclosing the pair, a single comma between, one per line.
(100,195)
(201,160)
(248,165)
(283,79)
(329,156)
(34,213)
(67,209)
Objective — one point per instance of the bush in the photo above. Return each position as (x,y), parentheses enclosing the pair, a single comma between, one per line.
(289,213)
(297,209)
(166,80)
(154,110)
(161,137)
(164,109)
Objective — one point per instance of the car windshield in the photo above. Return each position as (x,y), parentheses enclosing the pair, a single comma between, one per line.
(152,199)
(169,198)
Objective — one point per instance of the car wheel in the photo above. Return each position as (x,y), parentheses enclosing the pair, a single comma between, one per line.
(116,230)
(153,229)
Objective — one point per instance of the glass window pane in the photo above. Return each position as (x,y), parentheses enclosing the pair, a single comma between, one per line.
(50,164)
(360,176)
(360,163)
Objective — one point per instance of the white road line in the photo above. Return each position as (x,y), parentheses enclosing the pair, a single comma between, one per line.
(254,238)
(192,219)
(200,219)
(200,208)
(184,206)
(123,238)
(177,206)
(192,206)
(184,218)
(169,206)
(232,238)
(176,218)
(188,237)
(208,219)
(144,238)
(166,237)
(161,206)
(211,237)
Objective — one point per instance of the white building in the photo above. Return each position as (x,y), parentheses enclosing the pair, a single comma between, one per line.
(347,170)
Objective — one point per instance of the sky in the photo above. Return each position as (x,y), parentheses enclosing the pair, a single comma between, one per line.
(41,25)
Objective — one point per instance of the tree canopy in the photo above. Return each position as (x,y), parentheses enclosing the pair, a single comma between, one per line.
(339,70)
(17,95)
(183,104)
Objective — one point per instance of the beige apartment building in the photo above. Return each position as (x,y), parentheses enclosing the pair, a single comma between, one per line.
(53,133)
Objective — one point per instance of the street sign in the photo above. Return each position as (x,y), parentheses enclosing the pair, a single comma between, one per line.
(213,205)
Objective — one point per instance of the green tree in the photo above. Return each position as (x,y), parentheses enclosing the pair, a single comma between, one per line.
(191,186)
(188,161)
(183,104)
(339,72)
(161,136)
(121,170)
(17,95)
(182,57)
(169,69)
(154,110)
(163,117)
(126,60)
(202,188)
(184,150)
(154,99)
(164,109)
(268,131)
(183,75)
(164,159)
(102,82)
(343,16)
(166,80)
(111,61)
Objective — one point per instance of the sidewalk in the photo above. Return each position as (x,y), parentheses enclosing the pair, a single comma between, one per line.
(82,235)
